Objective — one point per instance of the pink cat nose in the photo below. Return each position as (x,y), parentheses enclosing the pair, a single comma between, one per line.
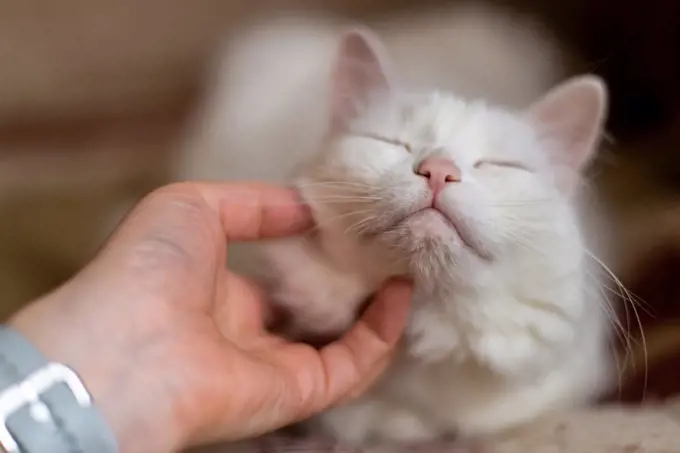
(439,171)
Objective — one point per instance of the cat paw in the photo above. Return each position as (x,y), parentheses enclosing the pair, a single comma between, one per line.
(376,423)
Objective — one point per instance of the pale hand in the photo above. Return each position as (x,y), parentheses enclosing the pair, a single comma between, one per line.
(172,345)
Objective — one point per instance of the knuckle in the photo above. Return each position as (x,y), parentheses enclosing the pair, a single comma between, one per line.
(184,227)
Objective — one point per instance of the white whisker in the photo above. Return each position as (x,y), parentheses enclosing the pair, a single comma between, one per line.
(628,297)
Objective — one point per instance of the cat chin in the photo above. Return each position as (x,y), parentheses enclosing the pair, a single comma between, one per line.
(430,223)
(430,237)
(429,258)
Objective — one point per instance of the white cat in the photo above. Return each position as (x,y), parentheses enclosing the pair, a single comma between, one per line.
(478,204)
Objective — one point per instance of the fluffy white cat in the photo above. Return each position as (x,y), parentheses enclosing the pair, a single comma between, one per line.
(477,204)
(474,201)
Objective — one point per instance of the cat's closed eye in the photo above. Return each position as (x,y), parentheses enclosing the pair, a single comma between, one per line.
(391,141)
(501,163)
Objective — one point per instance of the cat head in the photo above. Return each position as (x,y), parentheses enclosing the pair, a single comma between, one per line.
(444,180)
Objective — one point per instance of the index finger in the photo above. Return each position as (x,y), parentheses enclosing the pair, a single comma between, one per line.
(251,211)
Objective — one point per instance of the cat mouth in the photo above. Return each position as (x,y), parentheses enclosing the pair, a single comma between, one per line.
(457,227)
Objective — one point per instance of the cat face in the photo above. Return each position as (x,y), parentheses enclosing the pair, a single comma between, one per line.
(441,180)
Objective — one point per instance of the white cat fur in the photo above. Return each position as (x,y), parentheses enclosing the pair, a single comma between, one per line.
(494,340)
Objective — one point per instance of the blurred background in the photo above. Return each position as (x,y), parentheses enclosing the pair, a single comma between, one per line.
(96,97)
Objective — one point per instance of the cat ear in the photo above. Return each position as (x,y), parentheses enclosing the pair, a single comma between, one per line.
(360,70)
(570,117)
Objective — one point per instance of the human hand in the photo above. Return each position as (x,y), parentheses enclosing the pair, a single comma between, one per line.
(171,344)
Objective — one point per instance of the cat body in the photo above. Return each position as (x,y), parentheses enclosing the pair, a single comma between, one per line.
(476,202)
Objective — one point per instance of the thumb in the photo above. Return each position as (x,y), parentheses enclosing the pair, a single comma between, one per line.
(354,363)
(307,381)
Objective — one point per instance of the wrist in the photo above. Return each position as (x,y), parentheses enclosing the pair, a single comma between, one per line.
(140,423)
